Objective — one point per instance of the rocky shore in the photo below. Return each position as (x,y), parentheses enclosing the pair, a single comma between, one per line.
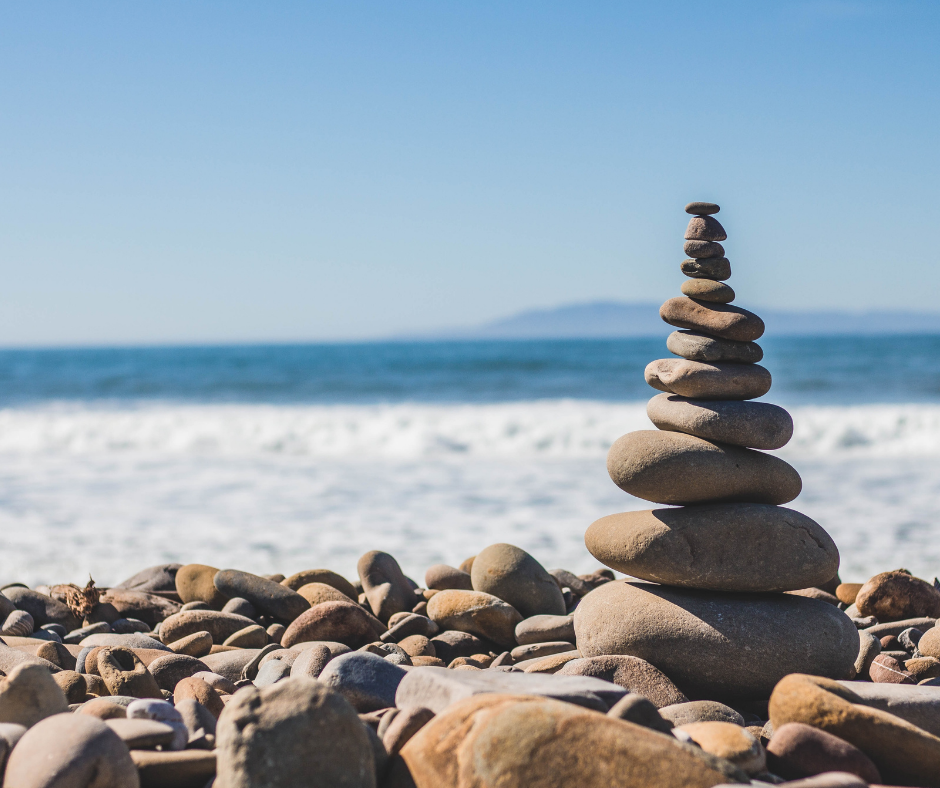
(733,655)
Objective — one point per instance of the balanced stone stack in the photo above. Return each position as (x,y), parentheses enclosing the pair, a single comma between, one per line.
(716,622)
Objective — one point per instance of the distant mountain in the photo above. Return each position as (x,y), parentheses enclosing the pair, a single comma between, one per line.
(602,319)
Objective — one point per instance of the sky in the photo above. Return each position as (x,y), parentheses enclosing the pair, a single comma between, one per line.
(228,171)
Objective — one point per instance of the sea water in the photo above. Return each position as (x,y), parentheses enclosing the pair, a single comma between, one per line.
(281,458)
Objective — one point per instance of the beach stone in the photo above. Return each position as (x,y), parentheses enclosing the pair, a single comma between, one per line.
(755,425)
(538,650)
(703,249)
(695,346)
(708,290)
(675,468)
(57,654)
(316,593)
(892,596)
(220,626)
(163,712)
(11,657)
(718,320)
(6,606)
(202,692)
(632,673)
(921,668)
(705,228)
(437,688)
(28,694)
(140,605)
(452,644)
(271,673)
(103,708)
(410,624)
(18,624)
(194,583)
(310,663)
(895,628)
(179,769)
(134,640)
(702,208)
(217,682)
(919,705)
(344,622)
(154,578)
(885,669)
(466,746)
(477,613)
(294,733)
(700,711)
(403,727)
(713,547)
(548,664)
(72,684)
(640,710)
(241,607)
(743,644)
(385,585)
(169,670)
(196,645)
(418,646)
(442,577)
(729,741)
(10,734)
(142,734)
(297,581)
(869,648)
(511,574)
(268,597)
(252,636)
(366,680)
(124,673)
(797,750)
(545,629)
(716,268)
(44,609)
(197,719)
(903,753)
(717,380)
(847,592)
(70,751)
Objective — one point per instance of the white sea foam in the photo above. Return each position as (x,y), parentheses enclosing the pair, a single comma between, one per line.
(559,429)
(109,489)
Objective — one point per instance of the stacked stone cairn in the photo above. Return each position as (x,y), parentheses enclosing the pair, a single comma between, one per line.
(728,616)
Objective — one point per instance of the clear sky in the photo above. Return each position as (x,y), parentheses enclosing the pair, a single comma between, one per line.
(227,171)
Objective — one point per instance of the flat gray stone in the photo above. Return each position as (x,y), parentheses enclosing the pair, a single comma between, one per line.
(437,688)
(755,425)
(918,705)
(366,680)
(140,734)
(700,711)
(697,346)
(545,629)
(133,640)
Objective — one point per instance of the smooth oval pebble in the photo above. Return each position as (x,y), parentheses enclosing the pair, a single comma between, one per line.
(702,208)
(194,584)
(756,425)
(69,751)
(708,290)
(476,613)
(325,576)
(705,228)
(741,644)
(717,268)
(716,547)
(342,622)
(267,596)
(696,346)
(714,380)
(674,468)
(702,249)
(720,320)
(511,574)
(188,622)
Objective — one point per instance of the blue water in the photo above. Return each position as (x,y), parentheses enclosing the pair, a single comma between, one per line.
(806,370)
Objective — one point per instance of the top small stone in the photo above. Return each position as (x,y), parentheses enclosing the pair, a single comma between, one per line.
(702,208)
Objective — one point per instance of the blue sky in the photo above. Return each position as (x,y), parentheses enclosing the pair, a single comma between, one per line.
(227,171)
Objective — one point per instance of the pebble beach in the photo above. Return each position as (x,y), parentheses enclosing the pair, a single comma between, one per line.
(715,631)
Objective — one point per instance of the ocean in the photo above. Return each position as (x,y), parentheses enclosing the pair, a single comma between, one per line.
(280,458)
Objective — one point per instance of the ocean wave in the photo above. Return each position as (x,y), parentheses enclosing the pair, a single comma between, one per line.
(558,428)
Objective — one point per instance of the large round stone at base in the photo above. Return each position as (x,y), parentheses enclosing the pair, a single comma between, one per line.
(748,547)
(717,645)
